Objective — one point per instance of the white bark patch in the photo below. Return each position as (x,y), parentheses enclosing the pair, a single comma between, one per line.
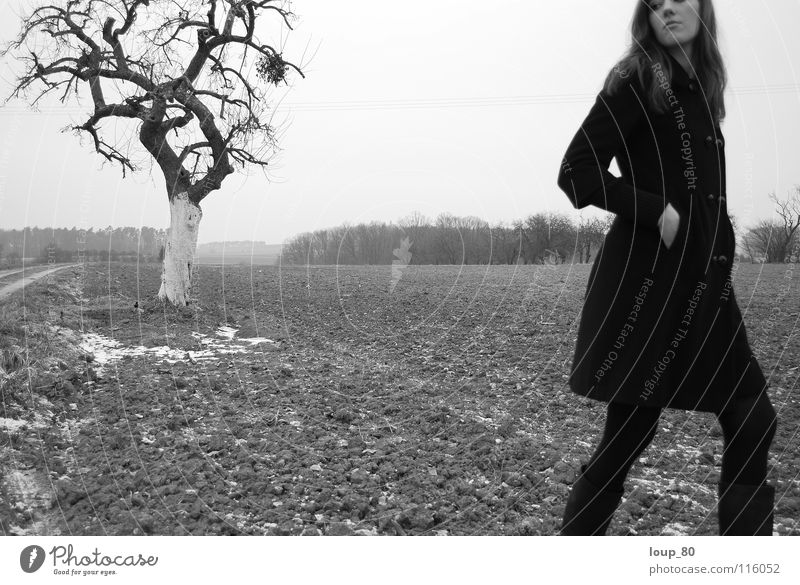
(179,250)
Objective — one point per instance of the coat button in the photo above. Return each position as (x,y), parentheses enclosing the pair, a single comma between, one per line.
(722,198)
(709,140)
(692,86)
(720,143)
(722,259)
(710,197)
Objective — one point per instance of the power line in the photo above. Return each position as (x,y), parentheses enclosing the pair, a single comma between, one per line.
(500,101)
(428,103)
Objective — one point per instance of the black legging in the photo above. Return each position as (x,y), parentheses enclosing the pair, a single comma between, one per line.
(748,427)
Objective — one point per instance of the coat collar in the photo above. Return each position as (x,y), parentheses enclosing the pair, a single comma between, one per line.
(679,76)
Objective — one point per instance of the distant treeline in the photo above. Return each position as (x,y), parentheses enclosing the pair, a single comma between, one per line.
(540,238)
(543,238)
(238,247)
(69,244)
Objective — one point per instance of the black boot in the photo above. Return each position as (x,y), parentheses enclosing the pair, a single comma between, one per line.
(745,510)
(589,509)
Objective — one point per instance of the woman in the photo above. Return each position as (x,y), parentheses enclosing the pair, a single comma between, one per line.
(660,326)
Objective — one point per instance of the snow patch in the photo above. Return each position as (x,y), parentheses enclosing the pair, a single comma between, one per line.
(107,351)
(226,332)
(12,425)
(653,487)
(676,529)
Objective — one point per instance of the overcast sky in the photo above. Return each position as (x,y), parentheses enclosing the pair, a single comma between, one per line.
(445,106)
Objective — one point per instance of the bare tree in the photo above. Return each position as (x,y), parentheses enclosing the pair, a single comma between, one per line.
(788,222)
(346,243)
(506,243)
(549,235)
(449,239)
(413,226)
(180,70)
(415,219)
(763,241)
(474,235)
(298,249)
(777,239)
(591,234)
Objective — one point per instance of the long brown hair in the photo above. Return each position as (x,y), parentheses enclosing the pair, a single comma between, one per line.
(645,51)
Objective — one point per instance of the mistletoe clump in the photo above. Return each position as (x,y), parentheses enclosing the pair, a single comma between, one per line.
(272,68)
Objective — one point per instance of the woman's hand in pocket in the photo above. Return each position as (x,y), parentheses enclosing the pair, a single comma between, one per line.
(668,224)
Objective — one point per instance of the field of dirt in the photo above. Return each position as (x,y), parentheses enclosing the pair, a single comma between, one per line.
(344,400)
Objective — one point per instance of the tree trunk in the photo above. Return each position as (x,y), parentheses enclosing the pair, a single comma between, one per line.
(176,276)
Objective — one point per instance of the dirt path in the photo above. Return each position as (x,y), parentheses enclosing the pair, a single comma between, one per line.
(26,280)
(10,272)
(27,491)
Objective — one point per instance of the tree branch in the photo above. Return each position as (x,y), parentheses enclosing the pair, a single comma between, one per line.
(105,149)
(221,167)
(60,46)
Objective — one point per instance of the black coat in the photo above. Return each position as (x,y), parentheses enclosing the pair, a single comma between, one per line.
(660,326)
